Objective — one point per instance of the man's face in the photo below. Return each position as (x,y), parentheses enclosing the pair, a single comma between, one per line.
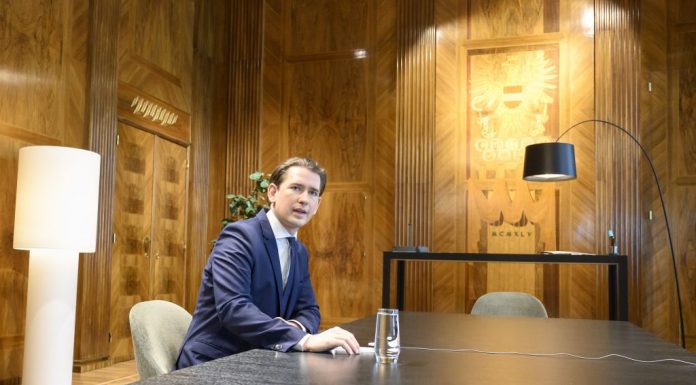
(296,200)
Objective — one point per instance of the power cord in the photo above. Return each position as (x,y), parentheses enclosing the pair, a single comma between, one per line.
(553,355)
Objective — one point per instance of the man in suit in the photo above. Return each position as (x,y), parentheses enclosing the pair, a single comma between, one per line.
(256,291)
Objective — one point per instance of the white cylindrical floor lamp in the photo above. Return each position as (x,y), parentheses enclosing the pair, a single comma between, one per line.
(55,219)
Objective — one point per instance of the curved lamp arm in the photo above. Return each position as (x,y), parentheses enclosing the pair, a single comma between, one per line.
(551,162)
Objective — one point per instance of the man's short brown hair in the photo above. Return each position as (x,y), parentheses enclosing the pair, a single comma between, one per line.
(279,173)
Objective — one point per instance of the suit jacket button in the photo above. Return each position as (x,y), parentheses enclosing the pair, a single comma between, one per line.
(278,347)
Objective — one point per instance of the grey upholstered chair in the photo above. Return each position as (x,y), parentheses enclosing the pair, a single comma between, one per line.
(158,329)
(509,303)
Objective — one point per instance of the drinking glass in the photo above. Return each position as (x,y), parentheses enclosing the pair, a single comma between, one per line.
(387,341)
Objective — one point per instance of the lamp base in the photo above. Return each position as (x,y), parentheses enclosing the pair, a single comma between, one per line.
(50,323)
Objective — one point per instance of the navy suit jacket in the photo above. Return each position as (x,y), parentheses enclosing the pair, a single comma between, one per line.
(241,293)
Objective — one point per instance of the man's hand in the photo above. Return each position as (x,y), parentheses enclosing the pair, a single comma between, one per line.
(332,338)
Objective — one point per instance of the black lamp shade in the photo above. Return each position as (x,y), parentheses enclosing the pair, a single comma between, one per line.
(547,162)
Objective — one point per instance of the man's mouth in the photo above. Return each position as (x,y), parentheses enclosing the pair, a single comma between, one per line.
(300,211)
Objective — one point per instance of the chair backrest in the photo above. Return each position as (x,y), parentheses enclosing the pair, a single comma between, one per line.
(158,329)
(509,303)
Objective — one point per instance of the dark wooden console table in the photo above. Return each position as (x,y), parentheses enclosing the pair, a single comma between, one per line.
(617,277)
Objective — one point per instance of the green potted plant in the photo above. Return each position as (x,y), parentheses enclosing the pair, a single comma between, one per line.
(246,206)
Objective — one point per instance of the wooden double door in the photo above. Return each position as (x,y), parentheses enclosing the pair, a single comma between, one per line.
(149,227)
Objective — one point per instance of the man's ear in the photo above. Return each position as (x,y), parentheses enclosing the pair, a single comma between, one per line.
(271,192)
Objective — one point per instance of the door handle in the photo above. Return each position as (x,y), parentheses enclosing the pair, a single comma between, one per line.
(146,246)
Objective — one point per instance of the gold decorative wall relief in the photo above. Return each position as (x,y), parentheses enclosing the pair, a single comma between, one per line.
(513,102)
(509,215)
(512,97)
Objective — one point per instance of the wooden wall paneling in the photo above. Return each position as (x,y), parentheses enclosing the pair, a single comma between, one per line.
(684,54)
(38,60)
(154,94)
(75,75)
(210,55)
(657,289)
(133,249)
(219,119)
(170,181)
(684,222)
(328,114)
(339,240)
(496,37)
(270,152)
(92,319)
(510,18)
(245,94)
(415,131)
(617,157)
(577,201)
(156,49)
(33,71)
(682,88)
(329,26)
(13,270)
(383,63)
(449,158)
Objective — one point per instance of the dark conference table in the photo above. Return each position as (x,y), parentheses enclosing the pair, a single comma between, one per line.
(457,331)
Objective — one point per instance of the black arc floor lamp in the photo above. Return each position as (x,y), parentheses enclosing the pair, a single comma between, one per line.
(555,161)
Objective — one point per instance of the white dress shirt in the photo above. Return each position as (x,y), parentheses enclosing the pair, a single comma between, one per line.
(281,233)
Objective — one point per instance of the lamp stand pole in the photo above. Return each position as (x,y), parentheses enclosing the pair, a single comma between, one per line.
(664,211)
(50,322)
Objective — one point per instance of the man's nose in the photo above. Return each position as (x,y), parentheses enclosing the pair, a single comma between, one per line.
(304,197)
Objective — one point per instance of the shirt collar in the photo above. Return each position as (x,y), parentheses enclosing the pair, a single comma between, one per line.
(279,231)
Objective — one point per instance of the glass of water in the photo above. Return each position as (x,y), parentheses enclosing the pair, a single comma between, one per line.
(387,341)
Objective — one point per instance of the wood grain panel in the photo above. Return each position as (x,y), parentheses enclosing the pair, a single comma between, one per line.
(657,289)
(32,69)
(681,20)
(327,116)
(14,265)
(685,222)
(506,18)
(684,133)
(156,48)
(209,61)
(169,212)
(272,99)
(450,156)
(320,26)
(384,64)
(339,240)
(579,284)
(133,249)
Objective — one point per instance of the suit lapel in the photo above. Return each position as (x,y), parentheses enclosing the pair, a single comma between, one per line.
(269,242)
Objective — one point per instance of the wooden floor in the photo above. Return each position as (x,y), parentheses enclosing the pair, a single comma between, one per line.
(120,374)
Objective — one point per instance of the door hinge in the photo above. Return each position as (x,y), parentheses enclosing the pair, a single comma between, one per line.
(113,237)
(118,139)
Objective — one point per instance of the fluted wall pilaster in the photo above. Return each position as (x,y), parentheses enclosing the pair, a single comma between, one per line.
(415,132)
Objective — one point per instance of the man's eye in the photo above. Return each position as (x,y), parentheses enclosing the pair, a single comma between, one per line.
(295,188)
(314,193)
